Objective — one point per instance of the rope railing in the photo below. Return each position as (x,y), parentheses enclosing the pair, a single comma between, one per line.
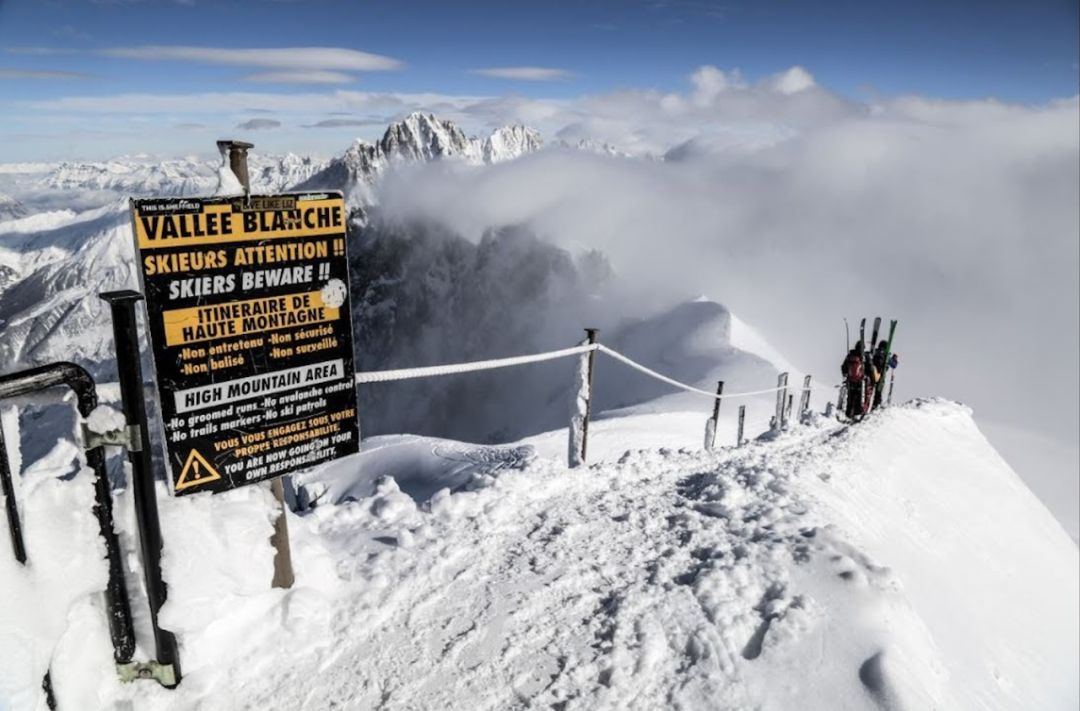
(688,388)
(383,376)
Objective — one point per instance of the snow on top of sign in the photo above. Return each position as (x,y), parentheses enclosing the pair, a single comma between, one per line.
(228,184)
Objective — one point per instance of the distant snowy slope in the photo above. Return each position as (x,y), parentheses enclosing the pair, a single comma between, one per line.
(183,176)
(896,565)
(50,310)
(10,208)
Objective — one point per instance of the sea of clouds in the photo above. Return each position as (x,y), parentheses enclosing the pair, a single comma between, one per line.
(797,207)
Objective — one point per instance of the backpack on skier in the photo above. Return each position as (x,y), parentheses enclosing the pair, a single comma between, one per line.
(853,368)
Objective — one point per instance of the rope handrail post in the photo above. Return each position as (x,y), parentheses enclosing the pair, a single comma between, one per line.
(582,405)
(781,402)
(804,401)
(712,423)
(739,441)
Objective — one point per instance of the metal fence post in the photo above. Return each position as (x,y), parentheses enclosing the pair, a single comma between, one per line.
(129,367)
(742,421)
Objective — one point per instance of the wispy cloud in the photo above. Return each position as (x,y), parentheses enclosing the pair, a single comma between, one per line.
(40,51)
(344,122)
(286,58)
(70,32)
(257,124)
(41,74)
(312,76)
(525,73)
(223,102)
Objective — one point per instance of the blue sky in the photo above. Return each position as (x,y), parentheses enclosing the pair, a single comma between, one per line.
(51,50)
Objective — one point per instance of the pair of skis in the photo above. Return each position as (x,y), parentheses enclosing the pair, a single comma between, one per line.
(872,390)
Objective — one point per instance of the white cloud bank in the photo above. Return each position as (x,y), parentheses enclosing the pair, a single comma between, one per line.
(798,207)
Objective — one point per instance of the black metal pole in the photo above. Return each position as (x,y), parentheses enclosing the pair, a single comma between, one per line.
(129,367)
(742,421)
(591,332)
(14,525)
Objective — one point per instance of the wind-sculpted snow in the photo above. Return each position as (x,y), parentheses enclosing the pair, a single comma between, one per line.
(896,565)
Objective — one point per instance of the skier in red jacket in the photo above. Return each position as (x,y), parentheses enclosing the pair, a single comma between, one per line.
(854,371)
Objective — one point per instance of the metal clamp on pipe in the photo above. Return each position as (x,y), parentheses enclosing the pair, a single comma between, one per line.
(128,437)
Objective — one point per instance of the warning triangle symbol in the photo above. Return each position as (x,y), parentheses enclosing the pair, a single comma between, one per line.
(196,471)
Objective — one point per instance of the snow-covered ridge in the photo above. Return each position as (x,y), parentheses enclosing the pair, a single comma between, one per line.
(829,568)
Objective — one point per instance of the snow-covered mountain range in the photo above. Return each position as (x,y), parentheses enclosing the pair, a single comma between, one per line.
(144,175)
(416,138)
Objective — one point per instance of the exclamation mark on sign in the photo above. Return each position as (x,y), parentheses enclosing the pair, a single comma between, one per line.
(339,247)
(324,271)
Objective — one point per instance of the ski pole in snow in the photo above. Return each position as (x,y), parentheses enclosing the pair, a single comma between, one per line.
(582,405)
(892,381)
(711,424)
(742,421)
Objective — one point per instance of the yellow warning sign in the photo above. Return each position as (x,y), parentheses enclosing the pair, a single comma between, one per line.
(196,471)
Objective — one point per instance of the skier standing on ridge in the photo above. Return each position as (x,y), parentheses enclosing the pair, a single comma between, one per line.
(854,371)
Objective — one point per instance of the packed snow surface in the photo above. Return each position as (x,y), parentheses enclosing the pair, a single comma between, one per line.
(899,564)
